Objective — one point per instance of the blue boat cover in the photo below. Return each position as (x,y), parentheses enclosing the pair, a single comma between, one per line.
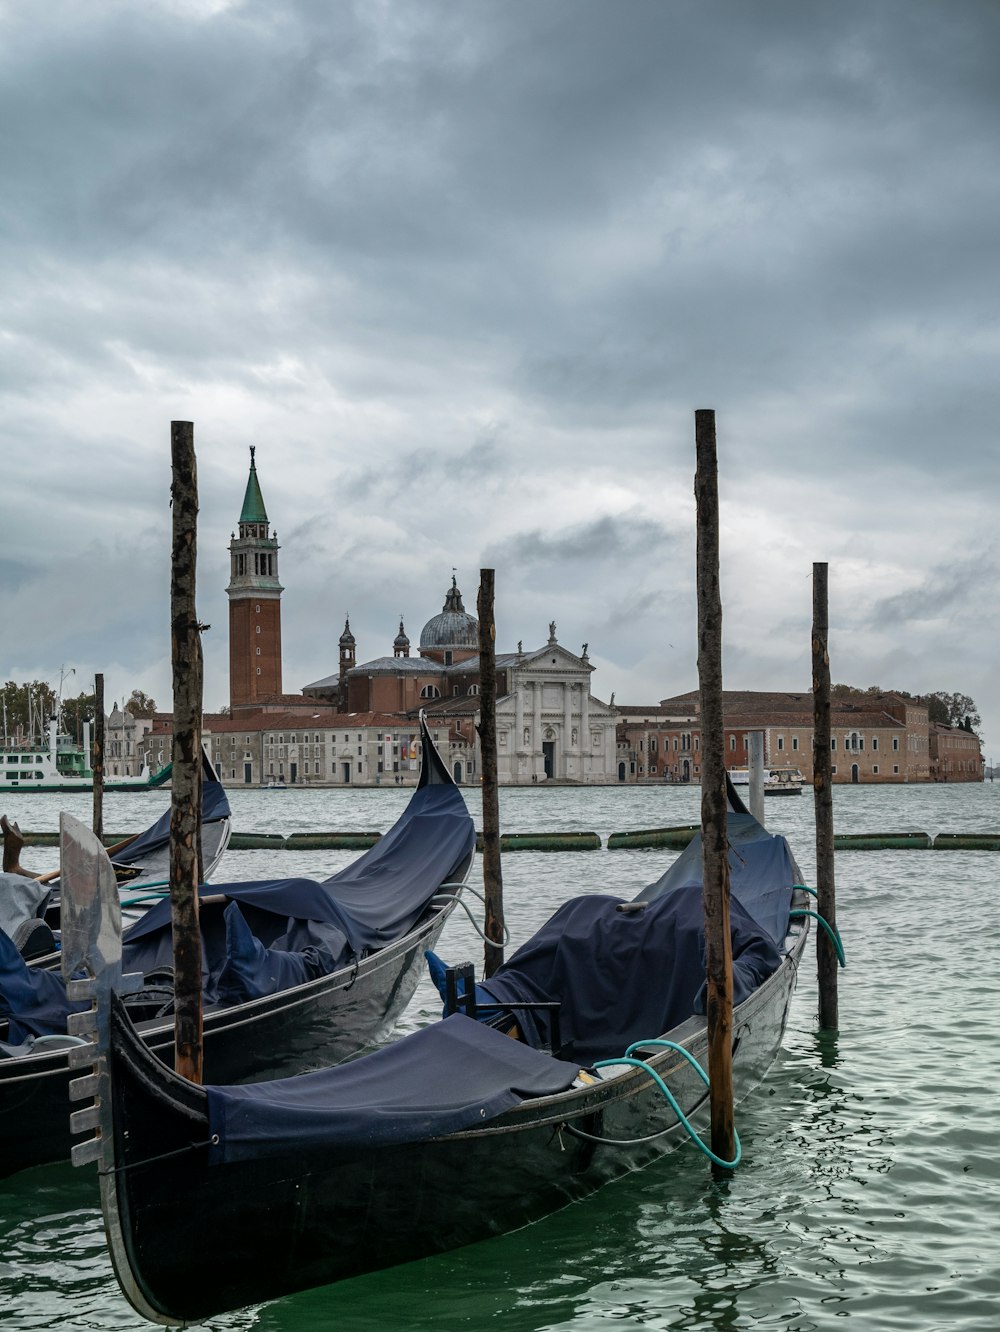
(452,1075)
(31,999)
(214,806)
(762,870)
(623,976)
(370,903)
(275,933)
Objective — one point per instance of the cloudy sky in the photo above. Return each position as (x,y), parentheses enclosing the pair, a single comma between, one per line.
(463,272)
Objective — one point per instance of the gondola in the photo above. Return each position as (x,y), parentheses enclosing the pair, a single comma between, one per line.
(217,1198)
(29,907)
(285,999)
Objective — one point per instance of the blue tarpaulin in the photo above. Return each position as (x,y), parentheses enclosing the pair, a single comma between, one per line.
(443,1078)
(275,933)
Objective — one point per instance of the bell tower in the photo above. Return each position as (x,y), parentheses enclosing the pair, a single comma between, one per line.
(254,604)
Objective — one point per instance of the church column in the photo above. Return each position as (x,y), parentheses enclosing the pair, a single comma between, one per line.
(585,747)
(536,739)
(518,746)
(567,727)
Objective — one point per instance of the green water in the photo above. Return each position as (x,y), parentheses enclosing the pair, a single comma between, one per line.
(871,1179)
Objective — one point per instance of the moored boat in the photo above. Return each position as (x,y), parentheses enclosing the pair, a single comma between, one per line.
(215,1198)
(783,781)
(303,973)
(59,764)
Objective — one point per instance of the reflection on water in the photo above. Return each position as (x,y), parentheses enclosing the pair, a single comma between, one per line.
(870,1182)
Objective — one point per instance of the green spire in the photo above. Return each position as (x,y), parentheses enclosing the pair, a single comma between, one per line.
(253,500)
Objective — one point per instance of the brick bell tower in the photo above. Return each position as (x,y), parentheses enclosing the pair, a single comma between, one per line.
(254,604)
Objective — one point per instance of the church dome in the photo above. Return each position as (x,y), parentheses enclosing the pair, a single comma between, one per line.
(453,628)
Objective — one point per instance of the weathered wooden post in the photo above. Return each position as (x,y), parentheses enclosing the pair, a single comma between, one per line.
(492,874)
(714,831)
(826,954)
(185,794)
(97,760)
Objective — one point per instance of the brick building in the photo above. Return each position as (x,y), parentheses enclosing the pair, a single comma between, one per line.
(875,738)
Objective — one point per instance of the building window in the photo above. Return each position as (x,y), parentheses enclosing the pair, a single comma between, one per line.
(258,670)
(874,742)
(795,742)
(258,652)
(833,743)
(257,630)
(257,609)
(732,742)
(895,768)
(430,691)
(895,742)
(875,769)
(781,742)
(833,769)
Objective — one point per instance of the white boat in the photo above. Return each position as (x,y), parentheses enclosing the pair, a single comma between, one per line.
(783,781)
(62,765)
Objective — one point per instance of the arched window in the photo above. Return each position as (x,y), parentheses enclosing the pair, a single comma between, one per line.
(430,691)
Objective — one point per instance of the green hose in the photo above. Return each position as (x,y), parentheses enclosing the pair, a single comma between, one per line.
(692,1133)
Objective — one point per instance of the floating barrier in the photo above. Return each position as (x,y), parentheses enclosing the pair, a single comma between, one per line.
(566,841)
(967,842)
(901,841)
(674,838)
(331,841)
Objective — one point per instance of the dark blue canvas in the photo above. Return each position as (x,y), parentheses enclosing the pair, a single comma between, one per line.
(31,999)
(443,1078)
(214,806)
(623,976)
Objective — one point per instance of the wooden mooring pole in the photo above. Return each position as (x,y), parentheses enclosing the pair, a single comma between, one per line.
(492,874)
(185,792)
(714,831)
(826,955)
(97,760)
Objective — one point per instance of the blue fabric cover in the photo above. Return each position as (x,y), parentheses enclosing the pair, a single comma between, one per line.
(31,999)
(623,976)
(762,869)
(450,1076)
(620,977)
(287,931)
(214,806)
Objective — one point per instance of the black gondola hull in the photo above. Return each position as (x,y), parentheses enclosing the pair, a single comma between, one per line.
(292,1032)
(194,1240)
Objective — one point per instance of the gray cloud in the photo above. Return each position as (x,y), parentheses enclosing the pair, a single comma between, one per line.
(463,273)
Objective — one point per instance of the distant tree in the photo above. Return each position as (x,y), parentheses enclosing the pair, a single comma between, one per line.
(140,704)
(76,711)
(27,708)
(953,710)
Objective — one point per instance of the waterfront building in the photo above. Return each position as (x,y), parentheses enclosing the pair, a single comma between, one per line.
(875,738)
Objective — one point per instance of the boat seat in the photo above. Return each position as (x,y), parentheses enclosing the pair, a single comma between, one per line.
(461,997)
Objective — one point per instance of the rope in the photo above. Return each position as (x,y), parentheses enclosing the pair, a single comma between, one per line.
(832,934)
(440,898)
(689,1128)
(163,1156)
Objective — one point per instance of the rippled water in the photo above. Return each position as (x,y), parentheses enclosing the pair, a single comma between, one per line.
(870,1185)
